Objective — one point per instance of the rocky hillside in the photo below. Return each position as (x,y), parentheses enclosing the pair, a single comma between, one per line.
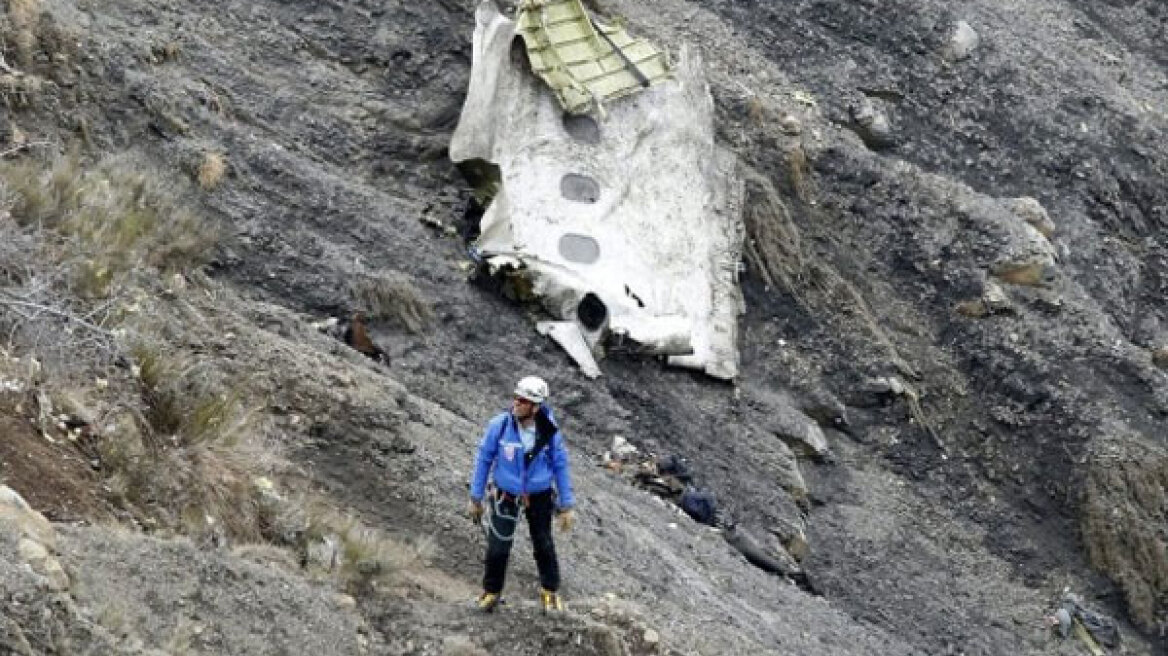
(955,279)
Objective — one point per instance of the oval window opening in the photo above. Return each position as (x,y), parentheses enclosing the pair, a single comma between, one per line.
(584,129)
(580,188)
(580,249)
(591,312)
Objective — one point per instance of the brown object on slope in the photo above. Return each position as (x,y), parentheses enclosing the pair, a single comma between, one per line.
(357,336)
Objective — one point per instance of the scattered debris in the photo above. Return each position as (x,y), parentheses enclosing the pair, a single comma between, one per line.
(671,478)
(567,334)
(962,42)
(582,60)
(887,388)
(1090,627)
(439,225)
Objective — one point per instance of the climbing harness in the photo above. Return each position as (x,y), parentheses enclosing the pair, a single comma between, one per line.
(497,500)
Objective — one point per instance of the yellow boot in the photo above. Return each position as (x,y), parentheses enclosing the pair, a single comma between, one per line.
(487,601)
(550,601)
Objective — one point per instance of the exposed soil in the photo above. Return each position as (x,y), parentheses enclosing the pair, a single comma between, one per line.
(54,478)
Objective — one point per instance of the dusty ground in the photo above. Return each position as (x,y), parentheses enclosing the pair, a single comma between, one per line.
(333,120)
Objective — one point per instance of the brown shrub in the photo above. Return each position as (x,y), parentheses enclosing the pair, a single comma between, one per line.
(166,52)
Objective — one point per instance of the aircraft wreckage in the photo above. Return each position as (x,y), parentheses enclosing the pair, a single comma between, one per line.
(605,195)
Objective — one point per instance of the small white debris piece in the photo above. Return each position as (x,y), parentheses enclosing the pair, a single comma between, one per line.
(621,449)
(804,97)
(567,334)
(962,42)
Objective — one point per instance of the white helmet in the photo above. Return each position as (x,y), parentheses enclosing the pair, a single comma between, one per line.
(532,388)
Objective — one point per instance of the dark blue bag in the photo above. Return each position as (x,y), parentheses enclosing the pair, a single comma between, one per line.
(699,504)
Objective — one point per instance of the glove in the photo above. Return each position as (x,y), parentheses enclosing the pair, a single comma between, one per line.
(567,519)
(475,510)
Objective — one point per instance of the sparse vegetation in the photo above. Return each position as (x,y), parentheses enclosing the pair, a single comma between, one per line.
(755,110)
(188,460)
(166,52)
(23,16)
(799,174)
(361,556)
(211,170)
(180,444)
(773,244)
(105,221)
(393,297)
(86,246)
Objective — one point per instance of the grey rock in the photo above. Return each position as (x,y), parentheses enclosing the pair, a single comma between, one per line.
(872,124)
(783,418)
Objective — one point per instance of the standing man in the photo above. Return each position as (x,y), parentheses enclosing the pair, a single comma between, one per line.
(524,452)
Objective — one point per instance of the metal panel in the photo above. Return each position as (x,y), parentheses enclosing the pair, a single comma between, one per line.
(579,63)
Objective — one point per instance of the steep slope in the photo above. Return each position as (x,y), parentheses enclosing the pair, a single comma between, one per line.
(1028,444)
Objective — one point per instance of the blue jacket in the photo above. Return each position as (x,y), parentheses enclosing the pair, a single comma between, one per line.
(501,452)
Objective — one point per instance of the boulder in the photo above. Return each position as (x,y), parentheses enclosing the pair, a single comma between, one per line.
(17,515)
(993,301)
(43,563)
(26,534)
(872,124)
(781,463)
(1033,213)
(786,421)
(1011,248)
(769,557)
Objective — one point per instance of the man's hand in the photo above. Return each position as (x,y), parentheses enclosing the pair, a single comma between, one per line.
(475,510)
(567,519)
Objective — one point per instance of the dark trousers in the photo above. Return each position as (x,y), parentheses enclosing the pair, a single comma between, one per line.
(505,512)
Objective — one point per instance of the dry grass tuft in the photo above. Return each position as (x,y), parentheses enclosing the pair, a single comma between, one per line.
(365,557)
(186,457)
(108,220)
(393,297)
(773,244)
(1124,511)
(798,170)
(166,52)
(211,170)
(20,91)
(23,17)
(972,308)
(755,110)
(1160,357)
